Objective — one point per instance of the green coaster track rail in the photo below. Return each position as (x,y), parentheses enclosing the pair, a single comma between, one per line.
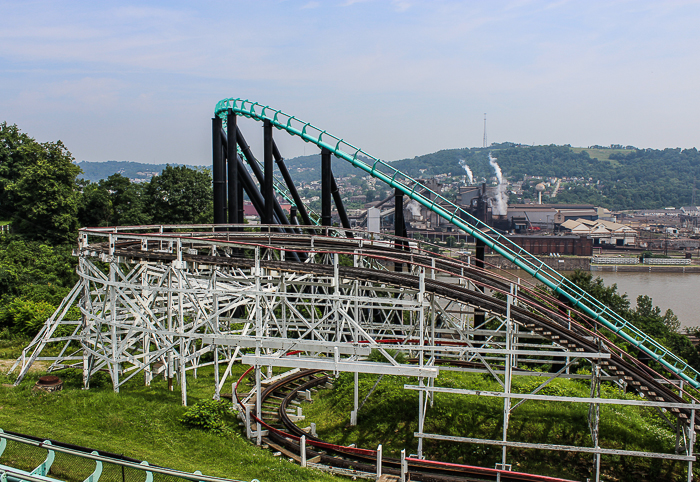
(468,223)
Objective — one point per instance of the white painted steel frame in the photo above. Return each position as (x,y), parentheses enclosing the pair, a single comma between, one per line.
(167,317)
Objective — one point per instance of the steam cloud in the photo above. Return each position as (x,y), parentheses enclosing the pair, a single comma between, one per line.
(500,206)
(414,207)
(463,163)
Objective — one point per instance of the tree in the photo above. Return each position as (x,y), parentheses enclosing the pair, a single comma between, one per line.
(181,195)
(95,205)
(38,190)
(129,203)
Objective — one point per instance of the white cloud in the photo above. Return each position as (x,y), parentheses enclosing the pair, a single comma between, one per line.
(545,71)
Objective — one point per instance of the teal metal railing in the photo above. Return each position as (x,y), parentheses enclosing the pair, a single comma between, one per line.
(74,461)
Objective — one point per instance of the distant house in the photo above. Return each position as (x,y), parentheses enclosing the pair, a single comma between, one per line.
(250,213)
(602,232)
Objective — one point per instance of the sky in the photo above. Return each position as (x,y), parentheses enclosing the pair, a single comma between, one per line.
(138,81)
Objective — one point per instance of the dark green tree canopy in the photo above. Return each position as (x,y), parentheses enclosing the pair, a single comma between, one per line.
(181,195)
(38,190)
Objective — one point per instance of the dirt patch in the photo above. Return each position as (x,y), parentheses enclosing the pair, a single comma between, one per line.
(37,366)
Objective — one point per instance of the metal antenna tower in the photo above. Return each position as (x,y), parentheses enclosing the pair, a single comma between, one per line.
(485,143)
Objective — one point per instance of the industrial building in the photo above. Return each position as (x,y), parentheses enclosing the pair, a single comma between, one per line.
(602,232)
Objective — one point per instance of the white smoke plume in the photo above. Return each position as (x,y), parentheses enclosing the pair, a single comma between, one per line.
(496,168)
(463,163)
(501,200)
(414,206)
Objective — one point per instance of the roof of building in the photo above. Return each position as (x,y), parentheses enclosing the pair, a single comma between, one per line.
(599,226)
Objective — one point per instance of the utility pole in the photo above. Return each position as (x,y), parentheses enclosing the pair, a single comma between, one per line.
(486,144)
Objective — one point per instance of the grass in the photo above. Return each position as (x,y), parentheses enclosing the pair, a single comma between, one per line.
(390,418)
(140,422)
(602,154)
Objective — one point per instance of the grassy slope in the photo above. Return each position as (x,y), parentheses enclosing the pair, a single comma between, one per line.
(602,154)
(390,417)
(141,422)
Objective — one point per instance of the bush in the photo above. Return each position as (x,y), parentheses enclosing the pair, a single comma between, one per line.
(25,317)
(208,415)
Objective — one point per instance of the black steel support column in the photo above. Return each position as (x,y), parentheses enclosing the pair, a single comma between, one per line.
(344,221)
(241,202)
(326,183)
(268,189)
(251,189)
(479,316)
(232,157)
(255,167)
(218,172)
(399,225)
(480,253)
(290,185)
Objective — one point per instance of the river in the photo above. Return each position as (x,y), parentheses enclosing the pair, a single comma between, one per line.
(678,291)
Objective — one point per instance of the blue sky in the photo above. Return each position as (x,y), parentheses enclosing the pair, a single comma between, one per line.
(139,81)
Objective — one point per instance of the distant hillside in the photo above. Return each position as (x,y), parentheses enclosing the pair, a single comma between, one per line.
(136,171)
(308,168)
(614,178)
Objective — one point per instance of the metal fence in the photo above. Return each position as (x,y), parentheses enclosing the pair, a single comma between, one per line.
(667,261)
(27,458)
(613,260)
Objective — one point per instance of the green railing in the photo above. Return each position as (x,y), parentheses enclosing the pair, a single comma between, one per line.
(468,223)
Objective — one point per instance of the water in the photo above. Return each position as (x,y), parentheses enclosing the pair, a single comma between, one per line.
(678,291)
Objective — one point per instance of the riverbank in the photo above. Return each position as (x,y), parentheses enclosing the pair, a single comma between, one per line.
(643,268)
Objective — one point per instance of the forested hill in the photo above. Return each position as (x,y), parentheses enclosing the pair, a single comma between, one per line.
(614,178)
(137,171)
(617,179)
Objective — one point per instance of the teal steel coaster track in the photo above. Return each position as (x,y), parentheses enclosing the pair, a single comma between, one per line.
(463,220)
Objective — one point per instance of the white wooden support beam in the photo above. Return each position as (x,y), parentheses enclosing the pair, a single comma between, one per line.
(345,366)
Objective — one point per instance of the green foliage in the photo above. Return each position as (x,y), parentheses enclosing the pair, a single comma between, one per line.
(207,415)
(38,190)
(31,268)
(377,356)
(97,171)
(390,416)
(34,278)
(608,295)
(25,317)
(181,195)
(634,179)
(128,199)
(95,206)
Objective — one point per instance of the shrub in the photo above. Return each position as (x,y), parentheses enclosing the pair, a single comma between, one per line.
(208,415)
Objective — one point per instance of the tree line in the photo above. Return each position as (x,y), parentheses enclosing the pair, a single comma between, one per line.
(43,199)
